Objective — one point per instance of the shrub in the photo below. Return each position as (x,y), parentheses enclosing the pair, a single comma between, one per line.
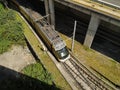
(38,72)
(10,29)
(4,45)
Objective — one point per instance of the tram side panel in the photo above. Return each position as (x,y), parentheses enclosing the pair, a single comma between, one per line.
(37,26)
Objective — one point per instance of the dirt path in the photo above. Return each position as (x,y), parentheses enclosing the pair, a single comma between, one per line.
(17,58)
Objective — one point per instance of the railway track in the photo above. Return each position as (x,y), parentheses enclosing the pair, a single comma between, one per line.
(83,77)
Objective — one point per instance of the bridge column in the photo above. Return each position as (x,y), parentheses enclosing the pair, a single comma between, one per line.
(47,11)
(49,8)
(52,12)
(92,28)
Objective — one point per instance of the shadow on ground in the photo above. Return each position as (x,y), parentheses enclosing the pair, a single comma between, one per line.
(12,80)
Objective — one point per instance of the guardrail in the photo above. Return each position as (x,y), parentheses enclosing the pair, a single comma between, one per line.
(107,4)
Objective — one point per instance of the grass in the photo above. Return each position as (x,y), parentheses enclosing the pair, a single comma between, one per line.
(18,23)
(106,66)
(44,58)
(38,71)
(33,77)
(10,30)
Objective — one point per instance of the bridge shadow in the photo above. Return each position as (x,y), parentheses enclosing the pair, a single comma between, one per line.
(12,80)
(65,24)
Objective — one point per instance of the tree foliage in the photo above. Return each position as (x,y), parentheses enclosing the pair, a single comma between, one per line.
(10,29)
(38,72)
(32,77)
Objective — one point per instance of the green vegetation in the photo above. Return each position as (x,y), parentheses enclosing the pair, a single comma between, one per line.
(33,77)
(106,66)
(10,29)
(39,78)
(44,58)
(37,71)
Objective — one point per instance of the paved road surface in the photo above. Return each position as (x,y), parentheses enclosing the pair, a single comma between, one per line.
(115,2)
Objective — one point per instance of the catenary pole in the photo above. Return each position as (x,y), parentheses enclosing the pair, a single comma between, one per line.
(75,24)
(46,3)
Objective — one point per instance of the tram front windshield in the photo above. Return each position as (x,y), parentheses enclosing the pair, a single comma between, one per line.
(63,53)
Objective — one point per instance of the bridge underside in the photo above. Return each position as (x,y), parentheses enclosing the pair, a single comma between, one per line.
(97,24)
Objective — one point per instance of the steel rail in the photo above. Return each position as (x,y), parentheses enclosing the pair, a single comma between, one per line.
(85,75)
(77,70)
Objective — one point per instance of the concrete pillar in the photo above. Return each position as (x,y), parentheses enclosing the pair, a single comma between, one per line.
(52,12)
(49,9)
(92,28)
(46,3)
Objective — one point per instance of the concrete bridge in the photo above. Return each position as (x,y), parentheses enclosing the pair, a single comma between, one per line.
(97,10)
